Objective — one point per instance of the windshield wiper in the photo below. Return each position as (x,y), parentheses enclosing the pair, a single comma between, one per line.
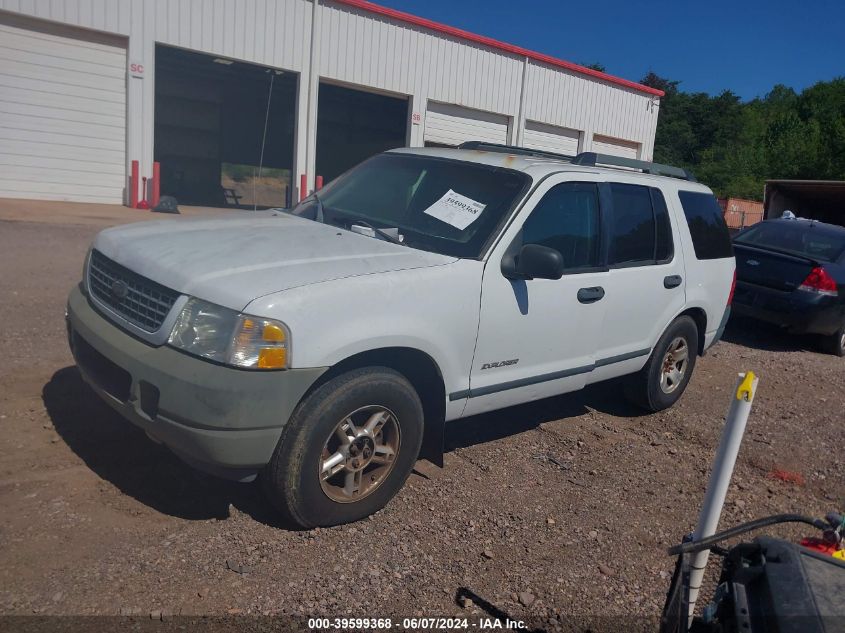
(380,232)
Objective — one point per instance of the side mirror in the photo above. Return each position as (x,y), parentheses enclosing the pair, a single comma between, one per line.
(534,262)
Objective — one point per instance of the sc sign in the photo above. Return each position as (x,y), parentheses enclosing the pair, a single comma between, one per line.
(136,69)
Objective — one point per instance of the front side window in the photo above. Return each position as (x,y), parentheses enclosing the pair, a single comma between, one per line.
(567,220)
(441,205)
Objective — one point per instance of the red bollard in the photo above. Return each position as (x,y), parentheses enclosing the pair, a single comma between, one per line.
(143,204)
(133,186)
(156,183)
(318,183)
(303,187)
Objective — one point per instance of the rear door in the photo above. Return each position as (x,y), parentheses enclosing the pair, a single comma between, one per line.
(646,281)
(708,254)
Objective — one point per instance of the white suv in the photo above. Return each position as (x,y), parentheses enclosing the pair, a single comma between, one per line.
(325,348)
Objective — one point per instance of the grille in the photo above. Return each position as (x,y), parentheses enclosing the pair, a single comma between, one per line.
(139,300)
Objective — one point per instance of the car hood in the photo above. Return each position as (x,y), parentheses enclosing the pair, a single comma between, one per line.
(234,260)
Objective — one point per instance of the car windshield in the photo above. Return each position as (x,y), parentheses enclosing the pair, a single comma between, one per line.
(794,237)
(441,205)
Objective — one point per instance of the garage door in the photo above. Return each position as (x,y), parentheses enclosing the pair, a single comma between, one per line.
(551,138)
(62,114)
(451,125)
(615,147)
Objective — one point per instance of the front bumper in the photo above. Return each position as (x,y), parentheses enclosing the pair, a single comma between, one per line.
(219,419)
(798,311)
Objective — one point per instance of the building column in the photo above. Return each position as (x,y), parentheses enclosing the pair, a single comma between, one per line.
(517,133)
(140,98)
(417,105)
(585,143)
(312,90)
(300,134)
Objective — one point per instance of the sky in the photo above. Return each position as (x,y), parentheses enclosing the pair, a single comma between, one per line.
(746,46)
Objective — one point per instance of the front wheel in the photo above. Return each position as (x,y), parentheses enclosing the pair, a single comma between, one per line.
(347,449)
(664,378)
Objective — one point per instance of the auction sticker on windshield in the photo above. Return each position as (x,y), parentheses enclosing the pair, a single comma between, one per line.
(455,209)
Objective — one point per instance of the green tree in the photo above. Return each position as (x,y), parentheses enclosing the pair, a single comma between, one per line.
(735,146)
(596,66)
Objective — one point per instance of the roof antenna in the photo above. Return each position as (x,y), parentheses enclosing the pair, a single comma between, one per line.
(263,139)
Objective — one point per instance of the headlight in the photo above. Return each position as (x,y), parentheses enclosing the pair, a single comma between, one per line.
(223,335)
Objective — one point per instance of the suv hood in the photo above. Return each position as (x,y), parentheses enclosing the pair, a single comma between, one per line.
(232,261)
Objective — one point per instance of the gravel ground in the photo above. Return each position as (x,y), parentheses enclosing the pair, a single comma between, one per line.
(550,513)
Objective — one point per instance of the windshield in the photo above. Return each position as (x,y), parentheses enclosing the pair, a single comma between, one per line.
(807,240)
(440,205)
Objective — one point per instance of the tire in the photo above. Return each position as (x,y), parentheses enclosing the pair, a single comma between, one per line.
(835,343)
(645,388)
(311,444)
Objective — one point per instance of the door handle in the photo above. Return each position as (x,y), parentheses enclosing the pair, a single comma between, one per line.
(672,281)
(590,295)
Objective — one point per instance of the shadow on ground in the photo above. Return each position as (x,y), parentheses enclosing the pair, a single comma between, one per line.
(767,337)
(122,454)
(506,620)
(606,397)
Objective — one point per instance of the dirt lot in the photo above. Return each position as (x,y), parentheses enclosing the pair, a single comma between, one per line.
(550,512)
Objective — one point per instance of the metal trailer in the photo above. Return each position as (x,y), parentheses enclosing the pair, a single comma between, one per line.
(822,200)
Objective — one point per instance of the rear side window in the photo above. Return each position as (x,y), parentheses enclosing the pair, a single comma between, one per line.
(567,220)
(640,233)
(710,236)
(663,249)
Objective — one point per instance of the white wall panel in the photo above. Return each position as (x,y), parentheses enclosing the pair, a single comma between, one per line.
(354,46)
(551,138)
(111,16)
(62,112)
(377,51)
(560,97)
(269,32)
(616,147)
(449,124)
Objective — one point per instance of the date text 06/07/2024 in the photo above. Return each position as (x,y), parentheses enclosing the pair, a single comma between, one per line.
(417,623)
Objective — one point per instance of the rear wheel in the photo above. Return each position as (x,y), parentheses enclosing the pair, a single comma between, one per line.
(664,378)
(347,449)
(835,344)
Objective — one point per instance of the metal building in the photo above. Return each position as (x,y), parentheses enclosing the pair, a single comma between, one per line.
(238,100)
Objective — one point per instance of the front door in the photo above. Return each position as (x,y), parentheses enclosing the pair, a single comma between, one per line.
(537,337)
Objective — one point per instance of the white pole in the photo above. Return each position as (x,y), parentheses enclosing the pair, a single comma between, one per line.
(720,477)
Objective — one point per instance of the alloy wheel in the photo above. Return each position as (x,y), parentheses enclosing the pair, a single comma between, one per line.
(359,454)
(674,366)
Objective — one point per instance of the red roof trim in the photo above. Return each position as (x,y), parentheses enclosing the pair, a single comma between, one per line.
(502,46)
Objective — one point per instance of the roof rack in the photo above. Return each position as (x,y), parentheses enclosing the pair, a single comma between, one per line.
(512,149)
(591,159)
